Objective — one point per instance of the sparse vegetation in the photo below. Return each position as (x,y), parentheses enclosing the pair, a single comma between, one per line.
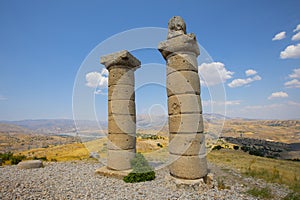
(44,158)
(264,193)
(235,147)
(271,170)
(218,147)
(16,159)
(9,156)
(149,136)
(292,196)
(141,170)
(221,184)
(159,145)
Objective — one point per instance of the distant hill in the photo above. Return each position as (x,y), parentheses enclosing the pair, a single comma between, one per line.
(11,128)
(49,126)
(52,126)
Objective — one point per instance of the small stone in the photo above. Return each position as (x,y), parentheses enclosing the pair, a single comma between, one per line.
(30,164)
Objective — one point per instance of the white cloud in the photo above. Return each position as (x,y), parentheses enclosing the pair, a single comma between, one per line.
(279,36)
(97,80)
(292,84)
(250,72)
(297,28)
(214,73)
(240,82)
(278,95)
(295,74)
(296,36)
(291,51)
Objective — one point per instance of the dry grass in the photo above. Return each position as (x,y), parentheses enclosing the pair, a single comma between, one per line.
(75,151)
(272,170)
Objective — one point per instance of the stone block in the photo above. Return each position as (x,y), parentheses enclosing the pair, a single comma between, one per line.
(104,171)
(123,58)
(184,104)
(121,141)
(120,159)
(123,107)
(30,164)
(120,75)
(185,43)
(186,123)
(122,124)
(188,167)
(182,62)
(186,144)
(183,82)
(121,92)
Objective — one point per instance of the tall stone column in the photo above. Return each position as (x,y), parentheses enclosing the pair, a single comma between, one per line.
(121,109)
(186,138)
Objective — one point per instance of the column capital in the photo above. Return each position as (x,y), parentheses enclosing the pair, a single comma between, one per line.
(185,43)
(122,59)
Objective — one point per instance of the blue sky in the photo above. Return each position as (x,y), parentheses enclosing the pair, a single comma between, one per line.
(44,45)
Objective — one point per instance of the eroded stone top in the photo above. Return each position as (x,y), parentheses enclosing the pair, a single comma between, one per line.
(121,58)
(178,40)
(176,26)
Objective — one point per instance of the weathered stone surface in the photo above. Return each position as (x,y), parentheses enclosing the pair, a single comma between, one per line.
(182,62)
(198,185)
(181,43)
(121,58)
(176,26)
(122,124)
(124,107)
(120,159)
(121,109)
(121,141)
(30,164)
(186,144)
(188,167)
(186,123)
(104,171)
(184,104)
(180,51)
(121,92)
(120,75)
(183,82)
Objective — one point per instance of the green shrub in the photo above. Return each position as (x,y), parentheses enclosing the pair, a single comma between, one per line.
(218,147)
(13,159)
(16,159)
(6,156)
(159,145)
(256,152)
(245,148)
(141,170)
(235,147)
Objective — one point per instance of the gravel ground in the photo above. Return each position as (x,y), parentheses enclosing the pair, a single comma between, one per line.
(77,180)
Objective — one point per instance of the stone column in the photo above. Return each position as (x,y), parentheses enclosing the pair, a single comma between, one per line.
(121,109)
(186,138)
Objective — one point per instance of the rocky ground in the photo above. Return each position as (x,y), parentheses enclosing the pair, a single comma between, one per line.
(77,180)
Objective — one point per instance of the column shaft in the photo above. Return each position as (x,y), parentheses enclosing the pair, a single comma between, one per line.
(186,138)
(121,109)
